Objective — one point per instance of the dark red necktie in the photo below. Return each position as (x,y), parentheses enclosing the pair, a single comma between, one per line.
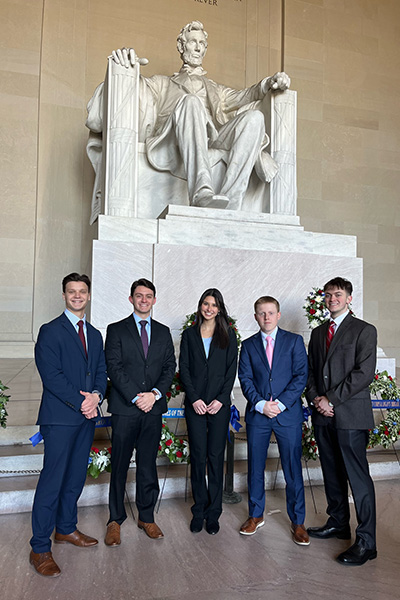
(144,337)
(329,337)
(82,336)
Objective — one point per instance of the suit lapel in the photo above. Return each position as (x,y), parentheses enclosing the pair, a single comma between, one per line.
(258,343)
(133,330)
(66,323)
(339,334)
(279,343)
(322,333)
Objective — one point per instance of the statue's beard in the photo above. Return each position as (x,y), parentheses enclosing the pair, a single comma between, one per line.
(192,60)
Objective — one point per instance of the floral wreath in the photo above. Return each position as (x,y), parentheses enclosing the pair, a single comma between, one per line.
(388,431)
(172,446)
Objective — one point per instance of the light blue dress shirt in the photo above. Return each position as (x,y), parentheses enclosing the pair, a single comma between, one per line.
(260,405)
(74,320)
(207,344)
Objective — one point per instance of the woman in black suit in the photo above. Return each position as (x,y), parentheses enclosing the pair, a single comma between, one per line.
(207,366)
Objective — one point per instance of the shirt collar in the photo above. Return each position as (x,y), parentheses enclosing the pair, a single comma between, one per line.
(73,318)
(272,334)
(192,70)
(340,319)
(138,319)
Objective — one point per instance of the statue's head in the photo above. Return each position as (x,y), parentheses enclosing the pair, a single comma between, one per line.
(192,43)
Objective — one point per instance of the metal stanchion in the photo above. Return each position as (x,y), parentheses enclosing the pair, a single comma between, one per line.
(229,496)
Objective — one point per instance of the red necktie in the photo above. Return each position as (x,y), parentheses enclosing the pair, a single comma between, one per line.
(331,332)
(82,336)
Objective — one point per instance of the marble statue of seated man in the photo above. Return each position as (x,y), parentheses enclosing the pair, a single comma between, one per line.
(193,114)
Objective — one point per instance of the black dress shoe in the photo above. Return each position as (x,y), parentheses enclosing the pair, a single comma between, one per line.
(212,527)
(356,555)
(326,532)
(196,524)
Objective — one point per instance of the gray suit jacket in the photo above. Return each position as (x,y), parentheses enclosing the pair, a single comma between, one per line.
(344,374)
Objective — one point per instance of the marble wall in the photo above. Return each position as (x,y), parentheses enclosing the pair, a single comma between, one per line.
(343,58)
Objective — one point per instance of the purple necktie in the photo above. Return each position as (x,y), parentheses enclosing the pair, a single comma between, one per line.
(270,350)
(144,337)
(82,336)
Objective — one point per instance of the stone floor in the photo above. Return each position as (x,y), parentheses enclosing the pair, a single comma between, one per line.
(228,566)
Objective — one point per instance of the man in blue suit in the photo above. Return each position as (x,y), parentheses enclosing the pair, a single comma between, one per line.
(273,374)
(70,360)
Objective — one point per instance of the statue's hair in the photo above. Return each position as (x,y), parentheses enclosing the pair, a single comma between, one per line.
(193,26)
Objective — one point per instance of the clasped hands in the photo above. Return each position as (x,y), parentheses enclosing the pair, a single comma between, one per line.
(201,408)
(271,409)
(322,405)
(90,404)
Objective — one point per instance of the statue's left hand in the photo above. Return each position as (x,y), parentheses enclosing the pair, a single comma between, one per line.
(279,81)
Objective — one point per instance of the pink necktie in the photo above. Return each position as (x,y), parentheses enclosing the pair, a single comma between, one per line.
(82,336)
(331,332)
(270,350)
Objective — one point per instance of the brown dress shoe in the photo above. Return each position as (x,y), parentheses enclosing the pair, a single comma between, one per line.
(300,535)
(152,530)
(76,538)
(44,564)
(113,535)
(250,526)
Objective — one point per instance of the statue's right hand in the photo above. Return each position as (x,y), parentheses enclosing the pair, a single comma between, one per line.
(127,57)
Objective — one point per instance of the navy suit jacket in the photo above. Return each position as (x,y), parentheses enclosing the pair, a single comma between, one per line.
(285,381)
(65,370)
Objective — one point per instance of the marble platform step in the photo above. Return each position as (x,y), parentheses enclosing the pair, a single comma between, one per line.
(17,492)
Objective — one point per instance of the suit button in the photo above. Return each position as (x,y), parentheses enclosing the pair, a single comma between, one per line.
(270,379)
(143,383)
(325,376)
(88,373)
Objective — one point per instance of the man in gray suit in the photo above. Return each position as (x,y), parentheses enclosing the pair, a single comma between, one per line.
(342,360)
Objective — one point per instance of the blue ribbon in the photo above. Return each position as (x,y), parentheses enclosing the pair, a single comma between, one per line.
(36,439)
(306,413)
(234,421)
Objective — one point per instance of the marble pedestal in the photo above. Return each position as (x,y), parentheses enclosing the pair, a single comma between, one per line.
(245,255)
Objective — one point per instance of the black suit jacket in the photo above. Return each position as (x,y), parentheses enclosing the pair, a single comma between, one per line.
(209,378)
(130,372)
(344,374)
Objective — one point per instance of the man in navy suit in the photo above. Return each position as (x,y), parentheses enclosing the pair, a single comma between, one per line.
(273,374)
(70,360)
(141,364)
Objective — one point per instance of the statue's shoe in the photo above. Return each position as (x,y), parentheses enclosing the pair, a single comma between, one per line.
(211,201)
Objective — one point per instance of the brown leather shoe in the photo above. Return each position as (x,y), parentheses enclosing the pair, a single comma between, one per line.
(152,530)
(250,526)
(44,564)
(300,535)
(76,538)
(113,535)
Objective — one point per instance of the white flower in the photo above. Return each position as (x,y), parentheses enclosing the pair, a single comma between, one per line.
(166,450)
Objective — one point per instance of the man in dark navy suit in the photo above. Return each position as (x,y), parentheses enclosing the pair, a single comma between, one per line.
(273,374)
(70,359)
(141,364)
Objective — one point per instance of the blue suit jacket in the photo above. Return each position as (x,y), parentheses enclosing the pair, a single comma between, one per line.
(65,370)
(285,381)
